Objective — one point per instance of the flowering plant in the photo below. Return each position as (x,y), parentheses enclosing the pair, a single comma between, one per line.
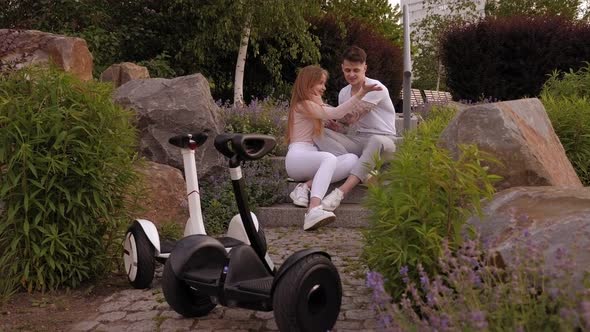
(471,293)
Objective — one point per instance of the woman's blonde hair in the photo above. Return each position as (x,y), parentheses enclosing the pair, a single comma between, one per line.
(306,79)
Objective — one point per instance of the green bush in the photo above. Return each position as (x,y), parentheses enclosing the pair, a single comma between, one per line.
(422,199)
(567,101)
(66,154)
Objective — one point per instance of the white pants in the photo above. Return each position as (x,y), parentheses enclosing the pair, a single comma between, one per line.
(304,162)
(364,145)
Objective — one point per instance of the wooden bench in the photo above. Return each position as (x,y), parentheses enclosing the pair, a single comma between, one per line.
(437,97)
(416,99)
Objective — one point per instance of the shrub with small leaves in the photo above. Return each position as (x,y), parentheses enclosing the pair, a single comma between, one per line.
(264,187)
(66,154)
(422,198)
(470,294)
(268,116)
(566,96)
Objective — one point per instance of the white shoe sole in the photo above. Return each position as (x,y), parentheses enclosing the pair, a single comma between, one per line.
(319,223)
(329,208)
(298,202)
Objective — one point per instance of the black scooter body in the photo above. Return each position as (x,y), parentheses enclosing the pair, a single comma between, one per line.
(200,273)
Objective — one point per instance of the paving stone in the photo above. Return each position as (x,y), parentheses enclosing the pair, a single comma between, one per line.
(142,305)
(237,314)
(145,310)
(111,316)
(350,325)
(85,326)
(112,327)
(113,306)
(141,315)
(174,325)
(264,315)
(271,325)
(171,314)
(218,324)
(144,325)
(359,314)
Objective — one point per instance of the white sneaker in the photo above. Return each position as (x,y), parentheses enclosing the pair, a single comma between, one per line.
(300,195)
(316,218)
(332,200)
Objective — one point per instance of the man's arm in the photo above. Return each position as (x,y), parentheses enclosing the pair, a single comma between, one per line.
(362,108)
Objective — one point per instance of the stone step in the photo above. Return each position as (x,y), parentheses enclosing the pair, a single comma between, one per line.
(285,214)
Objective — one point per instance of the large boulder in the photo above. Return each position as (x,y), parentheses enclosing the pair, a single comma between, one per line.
(168,107)
(551,218)
(25,47)
(121,73)
(519,134)
(165,195)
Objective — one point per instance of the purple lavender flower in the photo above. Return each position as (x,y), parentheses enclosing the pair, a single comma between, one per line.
(478,320)
(376,282)
(585,312)
(404,273)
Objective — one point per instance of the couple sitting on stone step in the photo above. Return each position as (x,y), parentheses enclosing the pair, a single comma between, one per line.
(319,156)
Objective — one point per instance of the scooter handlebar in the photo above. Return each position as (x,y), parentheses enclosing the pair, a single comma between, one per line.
(184,141)
(245,146)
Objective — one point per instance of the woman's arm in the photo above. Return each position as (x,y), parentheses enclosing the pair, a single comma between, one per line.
(325,112)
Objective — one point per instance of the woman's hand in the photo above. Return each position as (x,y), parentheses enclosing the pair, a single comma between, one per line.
(366,88)
(317,99)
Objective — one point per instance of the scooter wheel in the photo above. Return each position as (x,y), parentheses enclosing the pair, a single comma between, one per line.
(183,299)
(308,296)
(138,257)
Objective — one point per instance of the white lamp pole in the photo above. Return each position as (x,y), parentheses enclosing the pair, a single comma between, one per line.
(407,82)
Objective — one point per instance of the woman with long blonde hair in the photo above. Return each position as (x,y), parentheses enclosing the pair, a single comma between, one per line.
(304,162)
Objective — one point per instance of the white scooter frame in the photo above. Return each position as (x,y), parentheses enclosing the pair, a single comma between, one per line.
(142,247)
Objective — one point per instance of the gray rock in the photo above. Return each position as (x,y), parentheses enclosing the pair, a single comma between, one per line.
(169,107)
(519,134)
(539,219)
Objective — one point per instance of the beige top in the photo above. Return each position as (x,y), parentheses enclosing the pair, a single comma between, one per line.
(303,121)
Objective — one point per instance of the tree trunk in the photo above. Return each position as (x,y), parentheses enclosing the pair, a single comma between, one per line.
(240,65)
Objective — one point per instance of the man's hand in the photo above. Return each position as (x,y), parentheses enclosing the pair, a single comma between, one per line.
(335,126)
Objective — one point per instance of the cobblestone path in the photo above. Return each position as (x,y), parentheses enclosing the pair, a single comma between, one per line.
(146,310)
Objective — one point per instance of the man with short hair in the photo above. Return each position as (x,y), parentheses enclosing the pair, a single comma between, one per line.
(372,126)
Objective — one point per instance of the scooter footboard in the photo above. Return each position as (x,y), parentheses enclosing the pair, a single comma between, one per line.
(196,252)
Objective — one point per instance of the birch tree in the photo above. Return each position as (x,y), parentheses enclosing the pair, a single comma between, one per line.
(285,22)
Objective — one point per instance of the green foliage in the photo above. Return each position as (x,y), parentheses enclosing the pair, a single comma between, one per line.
(159,66)
(470,294)
(423,198)
(170,230)
(378,14)
(567,100)
(384,58)
(66,154)
(264,187)
(428,70)
(569,84)
(511,58)
(569,9)
(104,45)
(204,37)
(268,117)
